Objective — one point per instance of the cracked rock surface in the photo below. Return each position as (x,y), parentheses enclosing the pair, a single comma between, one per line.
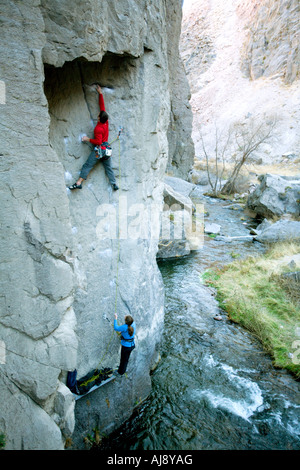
(58,274)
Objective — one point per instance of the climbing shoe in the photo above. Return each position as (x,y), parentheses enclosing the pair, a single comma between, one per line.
(115,187)
(75,186)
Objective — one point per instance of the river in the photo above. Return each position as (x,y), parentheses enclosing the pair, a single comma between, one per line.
(214,388)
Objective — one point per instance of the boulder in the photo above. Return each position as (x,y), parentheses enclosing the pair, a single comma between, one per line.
(294,276)
(275,196)
(176,200)
(283,230)
(172,244)
(179,185)
(263,225)
(212,228)
(178,235)
(199,177)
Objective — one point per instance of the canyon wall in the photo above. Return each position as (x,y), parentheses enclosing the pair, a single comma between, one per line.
(242,61)
(272,46)
(64,268)
(181,145)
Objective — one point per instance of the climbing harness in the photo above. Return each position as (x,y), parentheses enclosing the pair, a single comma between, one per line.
(99,377)
(129,340)
(103,152)
(107,151)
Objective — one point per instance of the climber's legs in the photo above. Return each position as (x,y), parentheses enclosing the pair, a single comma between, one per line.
(125,353)
(109,171)
(88,166)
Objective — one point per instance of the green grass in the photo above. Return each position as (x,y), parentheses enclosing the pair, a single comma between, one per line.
(254,295)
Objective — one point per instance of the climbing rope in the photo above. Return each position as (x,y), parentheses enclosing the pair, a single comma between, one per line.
(98,372)
(118,249)
(118,255)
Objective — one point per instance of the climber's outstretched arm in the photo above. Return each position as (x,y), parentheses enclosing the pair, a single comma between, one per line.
(101,99)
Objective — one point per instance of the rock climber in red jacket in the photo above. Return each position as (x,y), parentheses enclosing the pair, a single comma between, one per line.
(100,140)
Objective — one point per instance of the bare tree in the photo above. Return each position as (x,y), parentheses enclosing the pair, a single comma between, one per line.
(221,147)
(248,138)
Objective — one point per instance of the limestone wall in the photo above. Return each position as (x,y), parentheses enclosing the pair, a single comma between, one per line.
(272,48)
(61,276)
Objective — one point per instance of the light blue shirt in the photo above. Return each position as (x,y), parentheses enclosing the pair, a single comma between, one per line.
(123,329)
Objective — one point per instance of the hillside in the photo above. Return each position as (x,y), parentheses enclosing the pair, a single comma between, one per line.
(242,60)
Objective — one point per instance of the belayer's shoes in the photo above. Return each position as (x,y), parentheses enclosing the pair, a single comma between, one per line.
(75,186)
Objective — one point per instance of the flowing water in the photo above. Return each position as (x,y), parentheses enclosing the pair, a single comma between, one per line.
(214,387)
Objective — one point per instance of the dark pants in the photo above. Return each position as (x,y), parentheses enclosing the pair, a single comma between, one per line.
(92,161)
(125,353)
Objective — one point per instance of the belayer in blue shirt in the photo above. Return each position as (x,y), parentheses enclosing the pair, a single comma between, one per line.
(127,341)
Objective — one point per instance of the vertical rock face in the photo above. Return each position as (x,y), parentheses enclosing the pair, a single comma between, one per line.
(181,146)
(64,269)
(273,46)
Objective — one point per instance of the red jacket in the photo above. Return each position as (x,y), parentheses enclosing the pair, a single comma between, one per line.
(101,130)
